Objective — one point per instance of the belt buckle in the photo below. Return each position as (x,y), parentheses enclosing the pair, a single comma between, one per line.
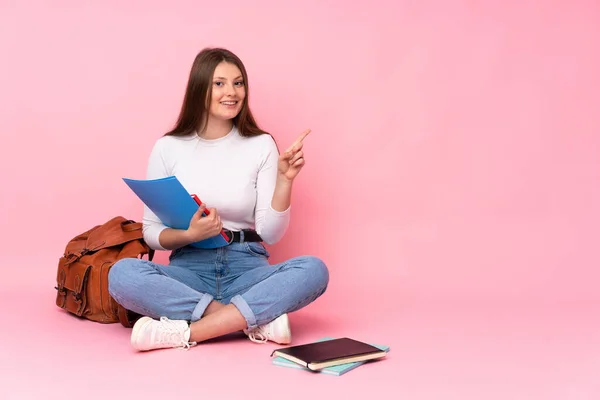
(229,235)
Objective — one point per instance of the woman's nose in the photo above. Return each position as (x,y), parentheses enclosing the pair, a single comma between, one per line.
(229,90)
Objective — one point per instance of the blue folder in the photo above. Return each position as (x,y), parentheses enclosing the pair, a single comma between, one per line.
(172,204)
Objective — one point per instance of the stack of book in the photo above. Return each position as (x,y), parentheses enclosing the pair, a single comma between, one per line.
(328,355)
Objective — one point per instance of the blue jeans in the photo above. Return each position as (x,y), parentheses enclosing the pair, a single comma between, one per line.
(239,274)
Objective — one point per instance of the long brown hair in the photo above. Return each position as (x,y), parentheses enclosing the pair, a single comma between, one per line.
(195,105)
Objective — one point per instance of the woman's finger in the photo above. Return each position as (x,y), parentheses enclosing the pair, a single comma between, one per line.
(299,140)
(296,147)
(298,155)
(287,156)
(201,209)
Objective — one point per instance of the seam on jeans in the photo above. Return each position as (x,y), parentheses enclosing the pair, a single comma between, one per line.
(217,281)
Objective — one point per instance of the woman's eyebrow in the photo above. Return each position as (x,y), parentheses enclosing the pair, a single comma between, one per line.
(220,77)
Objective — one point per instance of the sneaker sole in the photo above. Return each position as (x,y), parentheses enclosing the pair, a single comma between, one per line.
(139,325)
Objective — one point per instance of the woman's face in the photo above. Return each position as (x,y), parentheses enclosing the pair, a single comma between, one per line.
(228,92)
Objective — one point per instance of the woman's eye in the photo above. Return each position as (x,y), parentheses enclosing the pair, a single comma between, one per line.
(219,83)
(240,83)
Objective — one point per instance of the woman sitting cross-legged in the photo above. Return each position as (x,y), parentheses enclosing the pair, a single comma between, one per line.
(217,150)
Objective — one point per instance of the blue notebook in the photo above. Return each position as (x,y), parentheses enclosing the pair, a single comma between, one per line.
(336,370)
(172,204)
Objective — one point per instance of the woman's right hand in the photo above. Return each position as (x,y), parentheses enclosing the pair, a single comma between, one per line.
(204,227)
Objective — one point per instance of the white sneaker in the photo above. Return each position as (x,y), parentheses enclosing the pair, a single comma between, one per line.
(277,331)
(150,334)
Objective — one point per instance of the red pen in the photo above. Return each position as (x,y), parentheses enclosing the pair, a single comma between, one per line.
(206,212)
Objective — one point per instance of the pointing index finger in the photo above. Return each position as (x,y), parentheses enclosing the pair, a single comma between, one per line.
(300,139)
(302,136)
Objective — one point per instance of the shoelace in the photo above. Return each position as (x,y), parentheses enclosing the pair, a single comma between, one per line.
(257,336)
(170,333)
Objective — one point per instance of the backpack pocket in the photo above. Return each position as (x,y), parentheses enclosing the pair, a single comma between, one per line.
(71,281)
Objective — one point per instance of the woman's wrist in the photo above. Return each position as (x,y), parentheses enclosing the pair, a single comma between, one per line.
(283,181)
(172,239)
(282,194)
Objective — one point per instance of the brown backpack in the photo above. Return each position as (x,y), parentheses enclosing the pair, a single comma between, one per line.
(82,278)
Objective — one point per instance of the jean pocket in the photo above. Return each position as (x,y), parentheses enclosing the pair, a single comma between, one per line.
(257,249)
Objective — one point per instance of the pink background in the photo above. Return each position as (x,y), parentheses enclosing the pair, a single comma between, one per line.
(452,186)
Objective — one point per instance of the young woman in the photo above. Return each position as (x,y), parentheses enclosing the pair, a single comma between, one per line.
(217,151)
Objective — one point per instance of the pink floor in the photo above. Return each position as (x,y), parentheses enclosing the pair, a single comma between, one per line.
(437,352)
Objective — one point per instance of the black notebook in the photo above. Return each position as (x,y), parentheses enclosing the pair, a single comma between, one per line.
(318,355)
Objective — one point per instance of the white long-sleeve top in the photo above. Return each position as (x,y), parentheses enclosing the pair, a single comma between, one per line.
(234,174)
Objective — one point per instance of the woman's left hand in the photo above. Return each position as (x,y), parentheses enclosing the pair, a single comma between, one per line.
(292,160)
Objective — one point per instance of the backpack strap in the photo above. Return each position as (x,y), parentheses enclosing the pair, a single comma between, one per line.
(113,233)
(130,226)
(123,317)
(127,318)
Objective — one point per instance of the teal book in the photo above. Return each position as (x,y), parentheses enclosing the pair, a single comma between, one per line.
(336,370)
(172,204)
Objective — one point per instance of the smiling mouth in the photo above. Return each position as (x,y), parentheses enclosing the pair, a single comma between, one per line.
(229,103)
